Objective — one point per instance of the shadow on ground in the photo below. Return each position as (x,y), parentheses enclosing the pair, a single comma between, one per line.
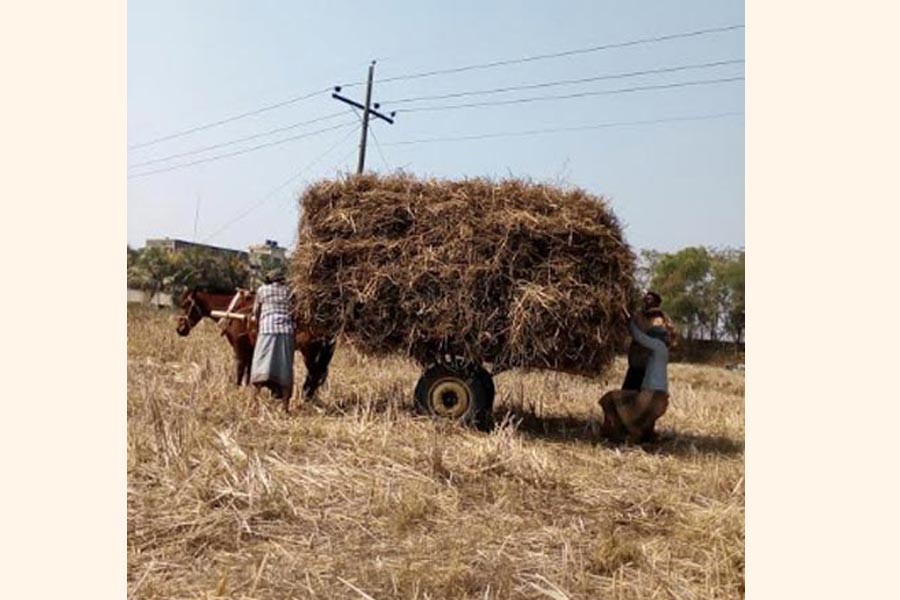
(577,429)
(567,429)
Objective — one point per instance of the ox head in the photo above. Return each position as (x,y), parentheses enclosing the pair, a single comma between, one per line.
(192,313)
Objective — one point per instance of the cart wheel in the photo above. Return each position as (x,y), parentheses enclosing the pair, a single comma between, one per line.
(466,396)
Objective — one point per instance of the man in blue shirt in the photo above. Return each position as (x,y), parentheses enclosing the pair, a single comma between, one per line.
(633,413)
(638,355)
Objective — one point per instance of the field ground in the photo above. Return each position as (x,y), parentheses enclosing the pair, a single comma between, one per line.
(354,496)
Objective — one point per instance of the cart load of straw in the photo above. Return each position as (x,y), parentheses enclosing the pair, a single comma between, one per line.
(511,274)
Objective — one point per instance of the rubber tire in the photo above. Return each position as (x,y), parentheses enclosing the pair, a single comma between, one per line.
(477,381)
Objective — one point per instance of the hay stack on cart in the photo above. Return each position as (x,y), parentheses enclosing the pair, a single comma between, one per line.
(468,277)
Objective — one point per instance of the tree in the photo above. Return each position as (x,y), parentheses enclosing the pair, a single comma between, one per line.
(151,270)
(263,264)
(730,274)
(133,256)
(198,268)
(647,261)
(703,289)
(236,272)
(156,270)
(684,280)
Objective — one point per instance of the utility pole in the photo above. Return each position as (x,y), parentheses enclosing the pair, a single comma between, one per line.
(365,124)
(368,111)
(196,216)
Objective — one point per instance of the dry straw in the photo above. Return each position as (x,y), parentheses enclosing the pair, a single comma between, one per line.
(228,498)
(510,273)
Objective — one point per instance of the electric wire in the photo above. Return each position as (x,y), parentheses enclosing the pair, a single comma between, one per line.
(446,71)
(239,152)
(280,186)
(563,82)
(565,129)
(243,115)
(236,141)
(501,63)
(574,95)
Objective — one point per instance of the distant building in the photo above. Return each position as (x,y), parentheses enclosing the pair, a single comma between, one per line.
(269,249)
(182,245)
(143,297)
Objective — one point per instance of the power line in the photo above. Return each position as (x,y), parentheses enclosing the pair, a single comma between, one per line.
(575,95)
(565,82)
(380,152)
(488,65)
(436,97)
(251,113)
(280,186)
(501,63)
(236,141)
(372,131)
(237,152)
(336,165)
(341,160)
(564,129)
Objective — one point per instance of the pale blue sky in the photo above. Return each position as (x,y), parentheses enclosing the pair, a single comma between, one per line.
(672,184)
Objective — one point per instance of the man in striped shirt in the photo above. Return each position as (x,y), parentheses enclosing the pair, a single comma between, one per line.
(273,356)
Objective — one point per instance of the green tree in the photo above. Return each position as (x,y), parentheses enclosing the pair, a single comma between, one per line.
(198,268)
(151,270)
(262,265)
(133,256)
(647,261)
(684,280)
(729,274)
(702,288)
(235,272)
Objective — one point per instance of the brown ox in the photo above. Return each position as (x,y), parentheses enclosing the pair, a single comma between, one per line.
(197,304)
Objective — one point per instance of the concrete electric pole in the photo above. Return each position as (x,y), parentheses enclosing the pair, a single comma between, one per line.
(368,111)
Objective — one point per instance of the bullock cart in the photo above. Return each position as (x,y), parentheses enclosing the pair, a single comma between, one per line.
(469,278)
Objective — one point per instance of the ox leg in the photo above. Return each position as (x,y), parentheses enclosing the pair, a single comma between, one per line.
(309,386)
(247,355)
(317,356)
(239,370)
(288,392)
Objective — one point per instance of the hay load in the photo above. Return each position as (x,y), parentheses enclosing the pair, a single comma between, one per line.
(509,273)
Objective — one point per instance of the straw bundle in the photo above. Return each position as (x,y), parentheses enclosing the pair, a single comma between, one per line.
(510,273)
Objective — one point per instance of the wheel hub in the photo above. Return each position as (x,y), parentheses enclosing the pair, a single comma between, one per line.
(449,398)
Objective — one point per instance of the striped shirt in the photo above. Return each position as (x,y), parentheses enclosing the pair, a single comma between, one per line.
(274,307)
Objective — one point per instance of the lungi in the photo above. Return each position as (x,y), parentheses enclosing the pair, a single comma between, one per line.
(273,359)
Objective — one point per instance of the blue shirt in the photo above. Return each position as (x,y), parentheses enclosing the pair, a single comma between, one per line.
(656,376)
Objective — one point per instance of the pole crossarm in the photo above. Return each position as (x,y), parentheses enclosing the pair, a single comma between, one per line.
(368,109)
(356,104)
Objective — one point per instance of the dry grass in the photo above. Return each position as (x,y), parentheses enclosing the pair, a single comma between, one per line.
(355,497)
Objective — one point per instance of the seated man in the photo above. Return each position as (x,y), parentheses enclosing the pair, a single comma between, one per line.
(633,413)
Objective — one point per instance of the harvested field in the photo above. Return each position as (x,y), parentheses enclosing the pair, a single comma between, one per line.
(512,273)
(353,496)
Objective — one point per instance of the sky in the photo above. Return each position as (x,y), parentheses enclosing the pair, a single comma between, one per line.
(670,160)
